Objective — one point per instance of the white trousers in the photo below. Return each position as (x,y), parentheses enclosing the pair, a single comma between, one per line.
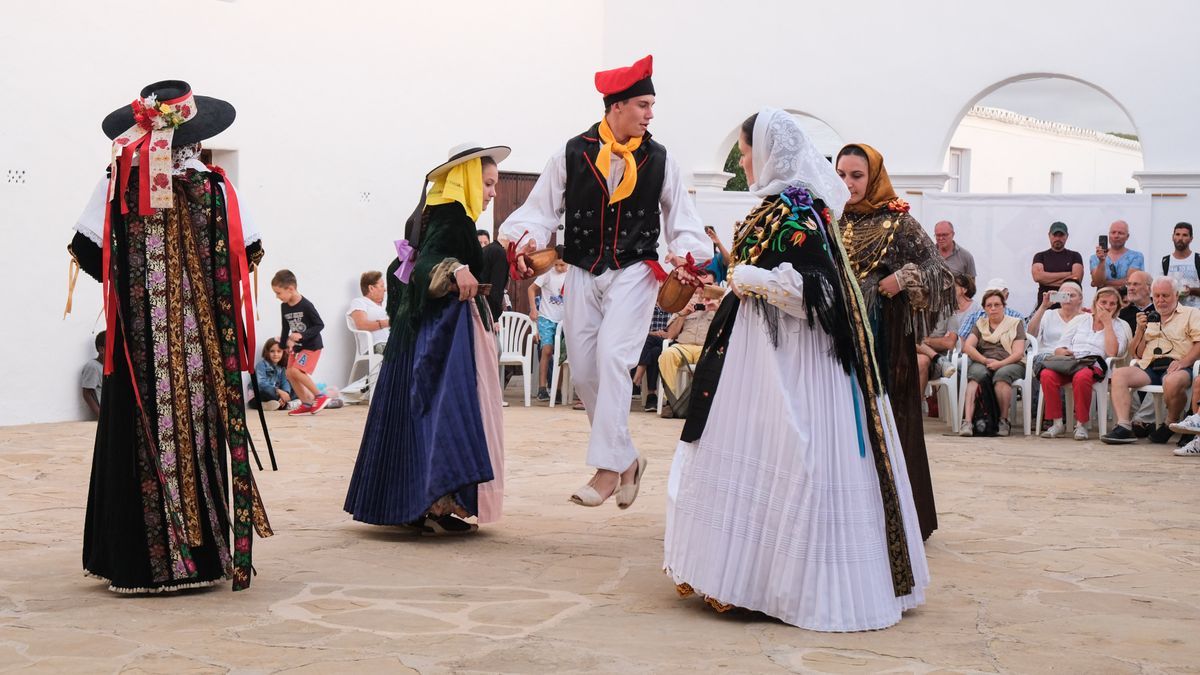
(605,322)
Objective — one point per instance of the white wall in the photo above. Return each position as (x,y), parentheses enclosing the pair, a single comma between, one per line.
(1000,150)
(337,99)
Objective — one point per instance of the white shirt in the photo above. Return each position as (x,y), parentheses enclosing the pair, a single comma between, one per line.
(91,222)
(1083,341)
(1184,272)
(543,210)
(374,312)
(551,286)
(1053,328)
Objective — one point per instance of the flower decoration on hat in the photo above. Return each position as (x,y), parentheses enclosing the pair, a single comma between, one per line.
(151,135)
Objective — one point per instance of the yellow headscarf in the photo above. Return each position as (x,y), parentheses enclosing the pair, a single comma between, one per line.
(463,183)
(879,185)
(625,152)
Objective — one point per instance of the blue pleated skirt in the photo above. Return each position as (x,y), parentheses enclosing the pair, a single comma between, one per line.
(424,437)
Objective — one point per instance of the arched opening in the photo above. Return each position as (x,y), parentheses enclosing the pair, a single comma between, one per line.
(827,140)
(1043,133)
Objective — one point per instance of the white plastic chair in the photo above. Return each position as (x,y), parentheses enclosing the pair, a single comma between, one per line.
(1099,402)
(947,390)
(516,346)
(1156,390)
(685,374)
(364,353)
(560,368)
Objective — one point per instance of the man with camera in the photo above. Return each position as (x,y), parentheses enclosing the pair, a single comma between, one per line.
(1112,262)
(1166,342)
(688,329)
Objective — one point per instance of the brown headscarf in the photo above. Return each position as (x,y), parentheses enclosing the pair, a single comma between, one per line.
(879,186)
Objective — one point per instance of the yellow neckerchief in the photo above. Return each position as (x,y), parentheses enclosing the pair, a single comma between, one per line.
(1004,334)
(463,183)
(624,151)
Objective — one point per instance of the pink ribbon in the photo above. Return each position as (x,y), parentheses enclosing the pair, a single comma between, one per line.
(408,260)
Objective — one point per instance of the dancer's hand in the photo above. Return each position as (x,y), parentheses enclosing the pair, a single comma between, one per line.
(468,286)
(889,286)
(522,267)
(681,267)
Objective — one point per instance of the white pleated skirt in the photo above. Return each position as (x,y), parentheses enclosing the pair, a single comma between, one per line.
(775,509)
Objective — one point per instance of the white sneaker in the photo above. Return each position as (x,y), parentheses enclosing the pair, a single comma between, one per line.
(1056,430)
(1081,432)
(1005,428)
(1190,425)
(1192,449)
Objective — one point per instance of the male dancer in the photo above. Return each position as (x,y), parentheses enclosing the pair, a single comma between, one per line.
(613,190)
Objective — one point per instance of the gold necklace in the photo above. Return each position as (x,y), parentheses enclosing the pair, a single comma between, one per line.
(867,242)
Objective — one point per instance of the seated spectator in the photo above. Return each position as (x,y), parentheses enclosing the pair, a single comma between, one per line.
(996,347)
(968,323)
(688,329)
(1050,321)
(274,391)
(91,378)
(719,265)
(1087,342)
(647,368)
(1166,342)
(546,315)
(1137,297)
(367,310)
(939,363)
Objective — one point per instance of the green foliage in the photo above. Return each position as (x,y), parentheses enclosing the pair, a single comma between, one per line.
(733,166)
(1128,137)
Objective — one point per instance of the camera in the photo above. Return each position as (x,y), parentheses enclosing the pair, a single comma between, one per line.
(1058,296)
(699,306)
(1152,316)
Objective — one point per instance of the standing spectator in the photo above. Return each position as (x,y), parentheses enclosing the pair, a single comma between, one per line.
(367,310)
(957,258)
(301,334)
(274,390)
(1137,297)
(1111,266)
(1166,342)
(688,329)
(1057,264)
(91,378)
(1183,265)
(494,272)
(550,285)
(647,368)
(996,347)
(968,322)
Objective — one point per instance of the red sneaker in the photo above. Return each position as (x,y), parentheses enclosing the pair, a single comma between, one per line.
(302,409)
(318,405)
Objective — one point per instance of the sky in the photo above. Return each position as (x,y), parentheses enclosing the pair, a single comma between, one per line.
(1059,100)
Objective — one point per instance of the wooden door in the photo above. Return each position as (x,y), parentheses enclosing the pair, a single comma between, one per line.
(511,191)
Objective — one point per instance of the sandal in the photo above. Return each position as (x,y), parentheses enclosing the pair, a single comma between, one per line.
(588,496)
(626,494)
(447,525)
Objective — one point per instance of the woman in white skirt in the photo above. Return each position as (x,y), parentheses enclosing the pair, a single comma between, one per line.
(788,494)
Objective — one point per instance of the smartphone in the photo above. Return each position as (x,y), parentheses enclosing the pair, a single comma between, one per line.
(1058,296)
(709,229)
(1104,241)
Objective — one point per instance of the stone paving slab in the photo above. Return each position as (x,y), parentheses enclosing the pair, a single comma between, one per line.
(1053,556)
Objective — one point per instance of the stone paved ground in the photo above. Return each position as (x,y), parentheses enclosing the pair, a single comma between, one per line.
(1052,555)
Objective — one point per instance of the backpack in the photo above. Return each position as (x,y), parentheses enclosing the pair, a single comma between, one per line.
(986,419)
(1166,263)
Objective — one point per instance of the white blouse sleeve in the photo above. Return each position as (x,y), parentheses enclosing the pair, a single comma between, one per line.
(782,286)
(543,209)
(91,222)
(682,225)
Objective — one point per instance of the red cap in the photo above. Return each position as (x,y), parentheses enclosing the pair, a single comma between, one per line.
(619,84)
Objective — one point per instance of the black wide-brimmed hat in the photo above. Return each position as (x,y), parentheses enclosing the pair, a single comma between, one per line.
(212,115)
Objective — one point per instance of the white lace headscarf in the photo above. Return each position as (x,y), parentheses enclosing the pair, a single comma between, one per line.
(783,156)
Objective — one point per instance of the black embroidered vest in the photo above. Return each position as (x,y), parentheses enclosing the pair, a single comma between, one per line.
(599,236)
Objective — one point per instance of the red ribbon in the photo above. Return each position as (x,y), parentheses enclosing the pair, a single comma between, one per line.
(243,306)
(514,272)
(660,275)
